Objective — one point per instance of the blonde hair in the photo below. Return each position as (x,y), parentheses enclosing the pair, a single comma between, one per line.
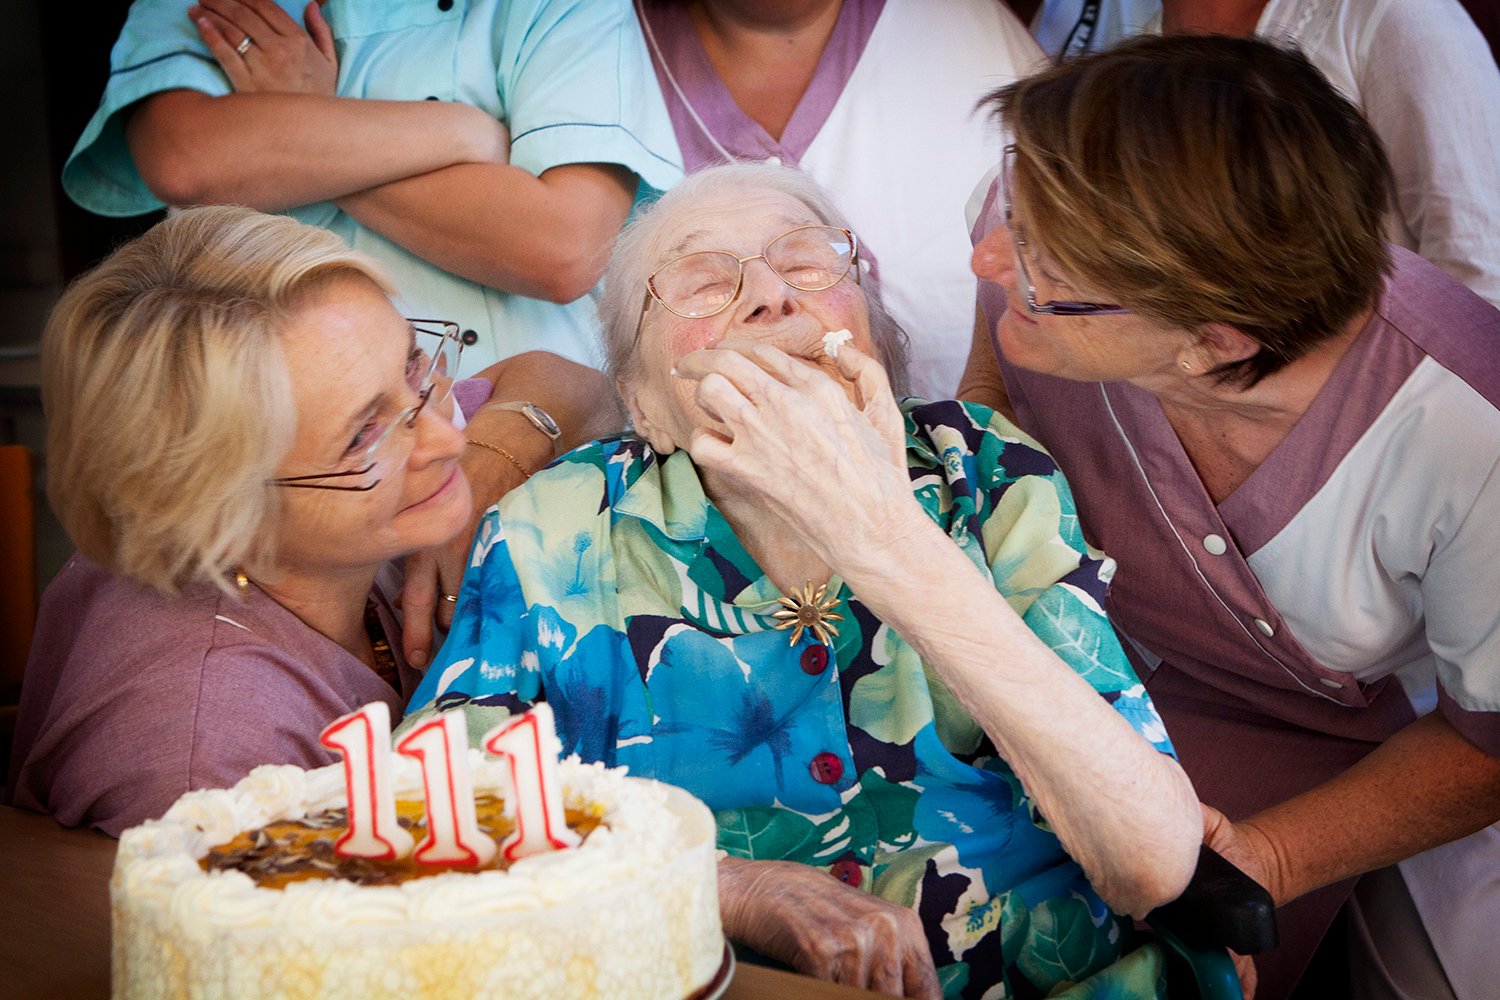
(167,397)
(1202,179)
(639,248)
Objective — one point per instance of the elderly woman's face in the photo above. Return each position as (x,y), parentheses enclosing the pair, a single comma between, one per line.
(767,310)
(348,352)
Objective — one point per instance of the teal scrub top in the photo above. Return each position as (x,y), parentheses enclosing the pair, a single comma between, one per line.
(571,80)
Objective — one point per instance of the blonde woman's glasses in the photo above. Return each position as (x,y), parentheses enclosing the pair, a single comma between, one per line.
(436,347)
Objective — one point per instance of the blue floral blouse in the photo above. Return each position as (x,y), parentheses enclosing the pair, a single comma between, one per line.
(612,588)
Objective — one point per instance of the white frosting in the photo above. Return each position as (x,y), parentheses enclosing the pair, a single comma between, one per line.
(835,339)
(632,912)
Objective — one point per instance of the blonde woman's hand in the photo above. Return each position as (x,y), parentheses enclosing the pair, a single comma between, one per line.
(833,468)
(282,57)
(821,927)
(432,576)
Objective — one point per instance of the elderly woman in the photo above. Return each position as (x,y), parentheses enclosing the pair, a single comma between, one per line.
(241,431)
(870,638)
(1286,431)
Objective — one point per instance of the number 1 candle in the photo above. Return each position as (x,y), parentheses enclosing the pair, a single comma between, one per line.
(529,746)
(453,834)
(364,738)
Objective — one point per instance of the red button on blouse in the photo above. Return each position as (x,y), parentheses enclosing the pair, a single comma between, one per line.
(848,872)
(826,768)
(815,659)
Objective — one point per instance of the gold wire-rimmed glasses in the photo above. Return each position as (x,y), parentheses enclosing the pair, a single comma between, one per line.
(435,354)
(1057,307)
(704,282)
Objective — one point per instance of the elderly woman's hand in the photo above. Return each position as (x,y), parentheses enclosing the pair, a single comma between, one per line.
(819,926)
(282,56)
(831,468)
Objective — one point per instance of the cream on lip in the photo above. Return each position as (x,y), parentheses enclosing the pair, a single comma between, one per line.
(833,340)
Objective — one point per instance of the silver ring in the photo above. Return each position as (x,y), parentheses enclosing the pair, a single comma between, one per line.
(244,45)
(451,598)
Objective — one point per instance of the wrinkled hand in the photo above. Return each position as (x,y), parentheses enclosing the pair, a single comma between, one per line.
(284,59)
(834,471)
(821,927)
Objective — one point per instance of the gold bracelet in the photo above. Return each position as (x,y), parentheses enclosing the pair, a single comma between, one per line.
(513,460)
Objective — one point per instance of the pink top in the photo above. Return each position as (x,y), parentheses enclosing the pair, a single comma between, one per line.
(707,119)
(132,698)
(1343,590)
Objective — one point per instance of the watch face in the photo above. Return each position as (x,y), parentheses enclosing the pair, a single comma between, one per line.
(543,421)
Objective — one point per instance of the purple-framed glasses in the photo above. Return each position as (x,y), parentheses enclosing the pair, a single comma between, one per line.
(1057,307)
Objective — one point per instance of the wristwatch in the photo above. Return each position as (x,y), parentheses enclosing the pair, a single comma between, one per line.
(540,419)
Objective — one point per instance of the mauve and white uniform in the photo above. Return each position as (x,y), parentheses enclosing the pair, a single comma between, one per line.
(1347,587)
(889,126)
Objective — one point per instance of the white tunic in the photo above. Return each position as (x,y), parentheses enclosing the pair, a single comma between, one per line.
(900,150)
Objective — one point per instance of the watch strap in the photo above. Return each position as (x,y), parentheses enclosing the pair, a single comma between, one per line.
(538,417)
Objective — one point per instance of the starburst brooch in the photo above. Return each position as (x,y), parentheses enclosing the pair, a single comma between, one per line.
(808,610)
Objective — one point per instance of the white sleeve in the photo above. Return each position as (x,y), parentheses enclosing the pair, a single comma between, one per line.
(1430,87)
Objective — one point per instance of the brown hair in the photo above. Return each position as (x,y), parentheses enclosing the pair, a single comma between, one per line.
(1201,179)
(166,393)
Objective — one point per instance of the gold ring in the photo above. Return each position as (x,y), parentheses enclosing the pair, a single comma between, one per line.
(244,46)
(451,598)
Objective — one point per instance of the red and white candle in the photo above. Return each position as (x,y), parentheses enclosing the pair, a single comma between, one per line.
(453,834)
(529,747)
(364,739)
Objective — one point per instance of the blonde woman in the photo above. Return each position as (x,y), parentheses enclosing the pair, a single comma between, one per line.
(242,431)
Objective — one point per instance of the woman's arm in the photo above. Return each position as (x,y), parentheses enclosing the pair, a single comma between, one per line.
(583,403)
(981,382)
(1124,811)
(273,151)
(547,237)
(1425,786)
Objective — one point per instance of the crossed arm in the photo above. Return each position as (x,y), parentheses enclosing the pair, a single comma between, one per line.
(431,176)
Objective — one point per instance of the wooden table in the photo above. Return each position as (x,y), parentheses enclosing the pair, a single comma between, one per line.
(54,920)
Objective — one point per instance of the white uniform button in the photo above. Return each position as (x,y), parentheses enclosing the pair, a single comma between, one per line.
(1265,627)
(1215,545)
(773,161)
(1330,682)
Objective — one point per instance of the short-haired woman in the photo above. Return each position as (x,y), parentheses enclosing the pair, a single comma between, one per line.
(241,431)
(1286,432)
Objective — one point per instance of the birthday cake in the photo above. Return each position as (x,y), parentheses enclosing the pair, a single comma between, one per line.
(240,893)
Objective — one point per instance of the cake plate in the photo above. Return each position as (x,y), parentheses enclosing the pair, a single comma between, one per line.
(720,982)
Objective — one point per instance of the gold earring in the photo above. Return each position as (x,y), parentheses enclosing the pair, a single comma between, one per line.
(241,580)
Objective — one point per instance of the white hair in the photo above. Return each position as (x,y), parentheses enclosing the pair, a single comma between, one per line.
(639,249)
